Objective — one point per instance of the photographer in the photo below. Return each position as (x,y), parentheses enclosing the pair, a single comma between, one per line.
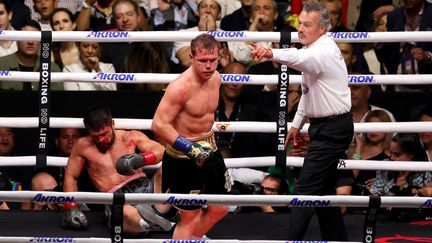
(250,181)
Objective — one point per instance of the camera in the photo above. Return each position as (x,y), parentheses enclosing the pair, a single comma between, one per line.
(256,188)
(242,189)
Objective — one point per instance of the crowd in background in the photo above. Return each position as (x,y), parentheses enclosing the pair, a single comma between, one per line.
(234,58)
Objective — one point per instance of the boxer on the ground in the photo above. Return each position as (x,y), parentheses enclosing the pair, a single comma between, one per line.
(106,152)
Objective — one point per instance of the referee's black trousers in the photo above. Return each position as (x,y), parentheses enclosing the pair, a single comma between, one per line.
(329,140)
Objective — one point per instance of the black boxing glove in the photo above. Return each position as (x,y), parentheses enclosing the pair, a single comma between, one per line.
(73,217)
(127,164)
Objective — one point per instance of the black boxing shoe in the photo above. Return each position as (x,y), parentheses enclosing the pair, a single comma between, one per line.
(156,222)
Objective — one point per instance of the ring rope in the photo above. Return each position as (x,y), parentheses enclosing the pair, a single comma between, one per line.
(129,78)
(213,199)
(235,126)
(252,162)
(162,36)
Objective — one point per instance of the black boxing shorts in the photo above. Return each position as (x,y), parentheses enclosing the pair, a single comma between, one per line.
(182,175)
(139,183)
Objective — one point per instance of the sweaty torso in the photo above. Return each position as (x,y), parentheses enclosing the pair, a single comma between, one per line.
(196,116)
(101,166)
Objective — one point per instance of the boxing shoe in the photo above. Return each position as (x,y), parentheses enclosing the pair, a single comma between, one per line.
(155,221)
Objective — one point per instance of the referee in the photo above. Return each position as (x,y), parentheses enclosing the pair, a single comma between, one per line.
(326,103)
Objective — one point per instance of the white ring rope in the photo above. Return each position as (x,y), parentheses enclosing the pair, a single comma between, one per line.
(132,78)
(213,199)
(107,240)
(252,162)
(234,126)
(163,36)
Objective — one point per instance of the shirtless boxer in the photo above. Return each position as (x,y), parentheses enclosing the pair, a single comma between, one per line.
(184,120)
(99,152)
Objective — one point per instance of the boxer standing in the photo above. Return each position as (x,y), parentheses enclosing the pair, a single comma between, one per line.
(184,120)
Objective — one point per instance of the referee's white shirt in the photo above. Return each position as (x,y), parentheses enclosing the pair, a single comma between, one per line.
(325,90)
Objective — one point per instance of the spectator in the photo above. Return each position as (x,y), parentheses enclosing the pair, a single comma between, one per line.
(404,147)
(370,10)
(13,178)
(250,181)
(375,66)
(174,15)
(233,107)
(426,137)
(72,5)
(26,59)
(65,53)
(147,57)
(408,57)
(6,46)
(21,13)
(89,63)
(360,106)
(208,12)
(95,15)
(44,182)
(64,141)
(334,8)
(45,9)
(127,17)
(263,18)
(370,146)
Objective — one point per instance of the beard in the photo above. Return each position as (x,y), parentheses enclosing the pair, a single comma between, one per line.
(103,147)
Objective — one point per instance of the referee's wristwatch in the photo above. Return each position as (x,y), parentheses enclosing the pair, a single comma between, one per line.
(85,4)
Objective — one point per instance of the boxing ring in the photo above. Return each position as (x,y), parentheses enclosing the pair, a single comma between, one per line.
(224,229)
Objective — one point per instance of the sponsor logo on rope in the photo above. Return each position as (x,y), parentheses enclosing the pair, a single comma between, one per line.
(230,34)
(109,34)
(189,202)
(52,199)
(222,126)
(361,79)
(184,241)
(5,73)
(236,78)
(115,76)
(350,35)
(342,163)
(427,204)
(52,239)
(309,203)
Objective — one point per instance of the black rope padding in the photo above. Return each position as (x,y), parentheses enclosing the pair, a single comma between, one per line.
(371,218)
(44,98)
(117,217)
(282,116)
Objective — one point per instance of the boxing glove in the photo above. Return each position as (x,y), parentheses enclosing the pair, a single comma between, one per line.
(127,164)
(73,217)
(199,151)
